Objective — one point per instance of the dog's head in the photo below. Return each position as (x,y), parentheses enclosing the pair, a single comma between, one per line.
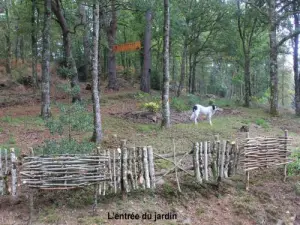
(216,108)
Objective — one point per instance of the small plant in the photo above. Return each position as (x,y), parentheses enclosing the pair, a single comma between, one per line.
(262,123)
(151,106)
(294,167)
(179,105)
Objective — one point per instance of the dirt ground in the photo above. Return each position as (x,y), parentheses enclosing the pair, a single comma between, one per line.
(269,200)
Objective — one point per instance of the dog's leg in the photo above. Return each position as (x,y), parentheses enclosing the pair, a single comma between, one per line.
(209,119)
(196,117)
(192,116)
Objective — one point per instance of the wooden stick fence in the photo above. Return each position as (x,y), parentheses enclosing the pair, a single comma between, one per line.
(128,169)
(264,152)
(8,164)
(214,160)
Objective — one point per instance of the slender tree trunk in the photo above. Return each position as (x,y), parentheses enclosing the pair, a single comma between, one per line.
(296,67)
(45,99)
(86,44)
(190,69)
(34,44)
(22,52)
(8,40)
(70,62)
(111,38)
(100,48)
(97,135)
(247,80)
(273,60)
(146,74)
(182,70)
(194,89)
(166,70)
(17,47)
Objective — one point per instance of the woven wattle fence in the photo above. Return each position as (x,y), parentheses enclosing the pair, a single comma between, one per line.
(264,152)
(215,160)
(124,169)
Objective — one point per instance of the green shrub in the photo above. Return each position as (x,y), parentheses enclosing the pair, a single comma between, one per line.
(65,146)
(151,106)
(179,104)
(262,123)
(294,167)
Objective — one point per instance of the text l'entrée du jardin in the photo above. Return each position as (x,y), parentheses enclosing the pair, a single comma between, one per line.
(144,216)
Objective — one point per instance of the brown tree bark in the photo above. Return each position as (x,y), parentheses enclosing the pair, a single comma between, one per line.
(45,99)
(166,68)
(8,40)
(111,31)
(146,71)
(296,60)
(182,70)
(273,59)
(70,62)
(34,44)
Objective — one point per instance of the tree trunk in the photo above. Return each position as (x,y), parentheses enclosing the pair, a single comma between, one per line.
(247,80)
(97,134)
(100,48)
(111,37)
(296,68)
(86,44)
(166,70)
(190,68)
(146,72)
(273,60)
(70,62)
(194,89)
(8,40)
(45,99)
(182,70)
(34,44)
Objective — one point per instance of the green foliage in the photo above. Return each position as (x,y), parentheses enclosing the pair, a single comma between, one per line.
(151,106)
(294,167)
(179,104)
(147,127)
(65,146)
(261,122)
(155,80)
(74,117)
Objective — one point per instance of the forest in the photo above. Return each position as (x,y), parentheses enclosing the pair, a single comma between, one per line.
(85,76)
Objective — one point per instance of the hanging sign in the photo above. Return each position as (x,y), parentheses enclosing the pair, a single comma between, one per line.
(132,46)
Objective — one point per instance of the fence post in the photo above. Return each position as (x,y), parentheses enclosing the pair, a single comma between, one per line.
(13,172)
(146,167)
(285,148)
(247,172)
(151,167)
(196,162)
(205,162)
(124,183)
(221,169)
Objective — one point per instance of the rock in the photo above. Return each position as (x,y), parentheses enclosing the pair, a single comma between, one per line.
(88,87)
(279,222)
(160,182)
(187,221)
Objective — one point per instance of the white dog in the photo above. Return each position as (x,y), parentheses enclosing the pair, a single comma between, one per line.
(208,111)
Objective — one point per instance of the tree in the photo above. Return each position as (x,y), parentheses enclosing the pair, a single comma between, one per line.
(146,69)
(69,60)
(248,24)
(34,44)
(97,134)
(8,38)
(296,60)
(111,31)
(166,76)
(45,99)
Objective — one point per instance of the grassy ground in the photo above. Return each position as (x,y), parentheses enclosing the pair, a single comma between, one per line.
(268,201)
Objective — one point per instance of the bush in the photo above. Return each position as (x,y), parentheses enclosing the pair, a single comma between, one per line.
(294,167)
(179,104)
(64,146)
(151,106)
